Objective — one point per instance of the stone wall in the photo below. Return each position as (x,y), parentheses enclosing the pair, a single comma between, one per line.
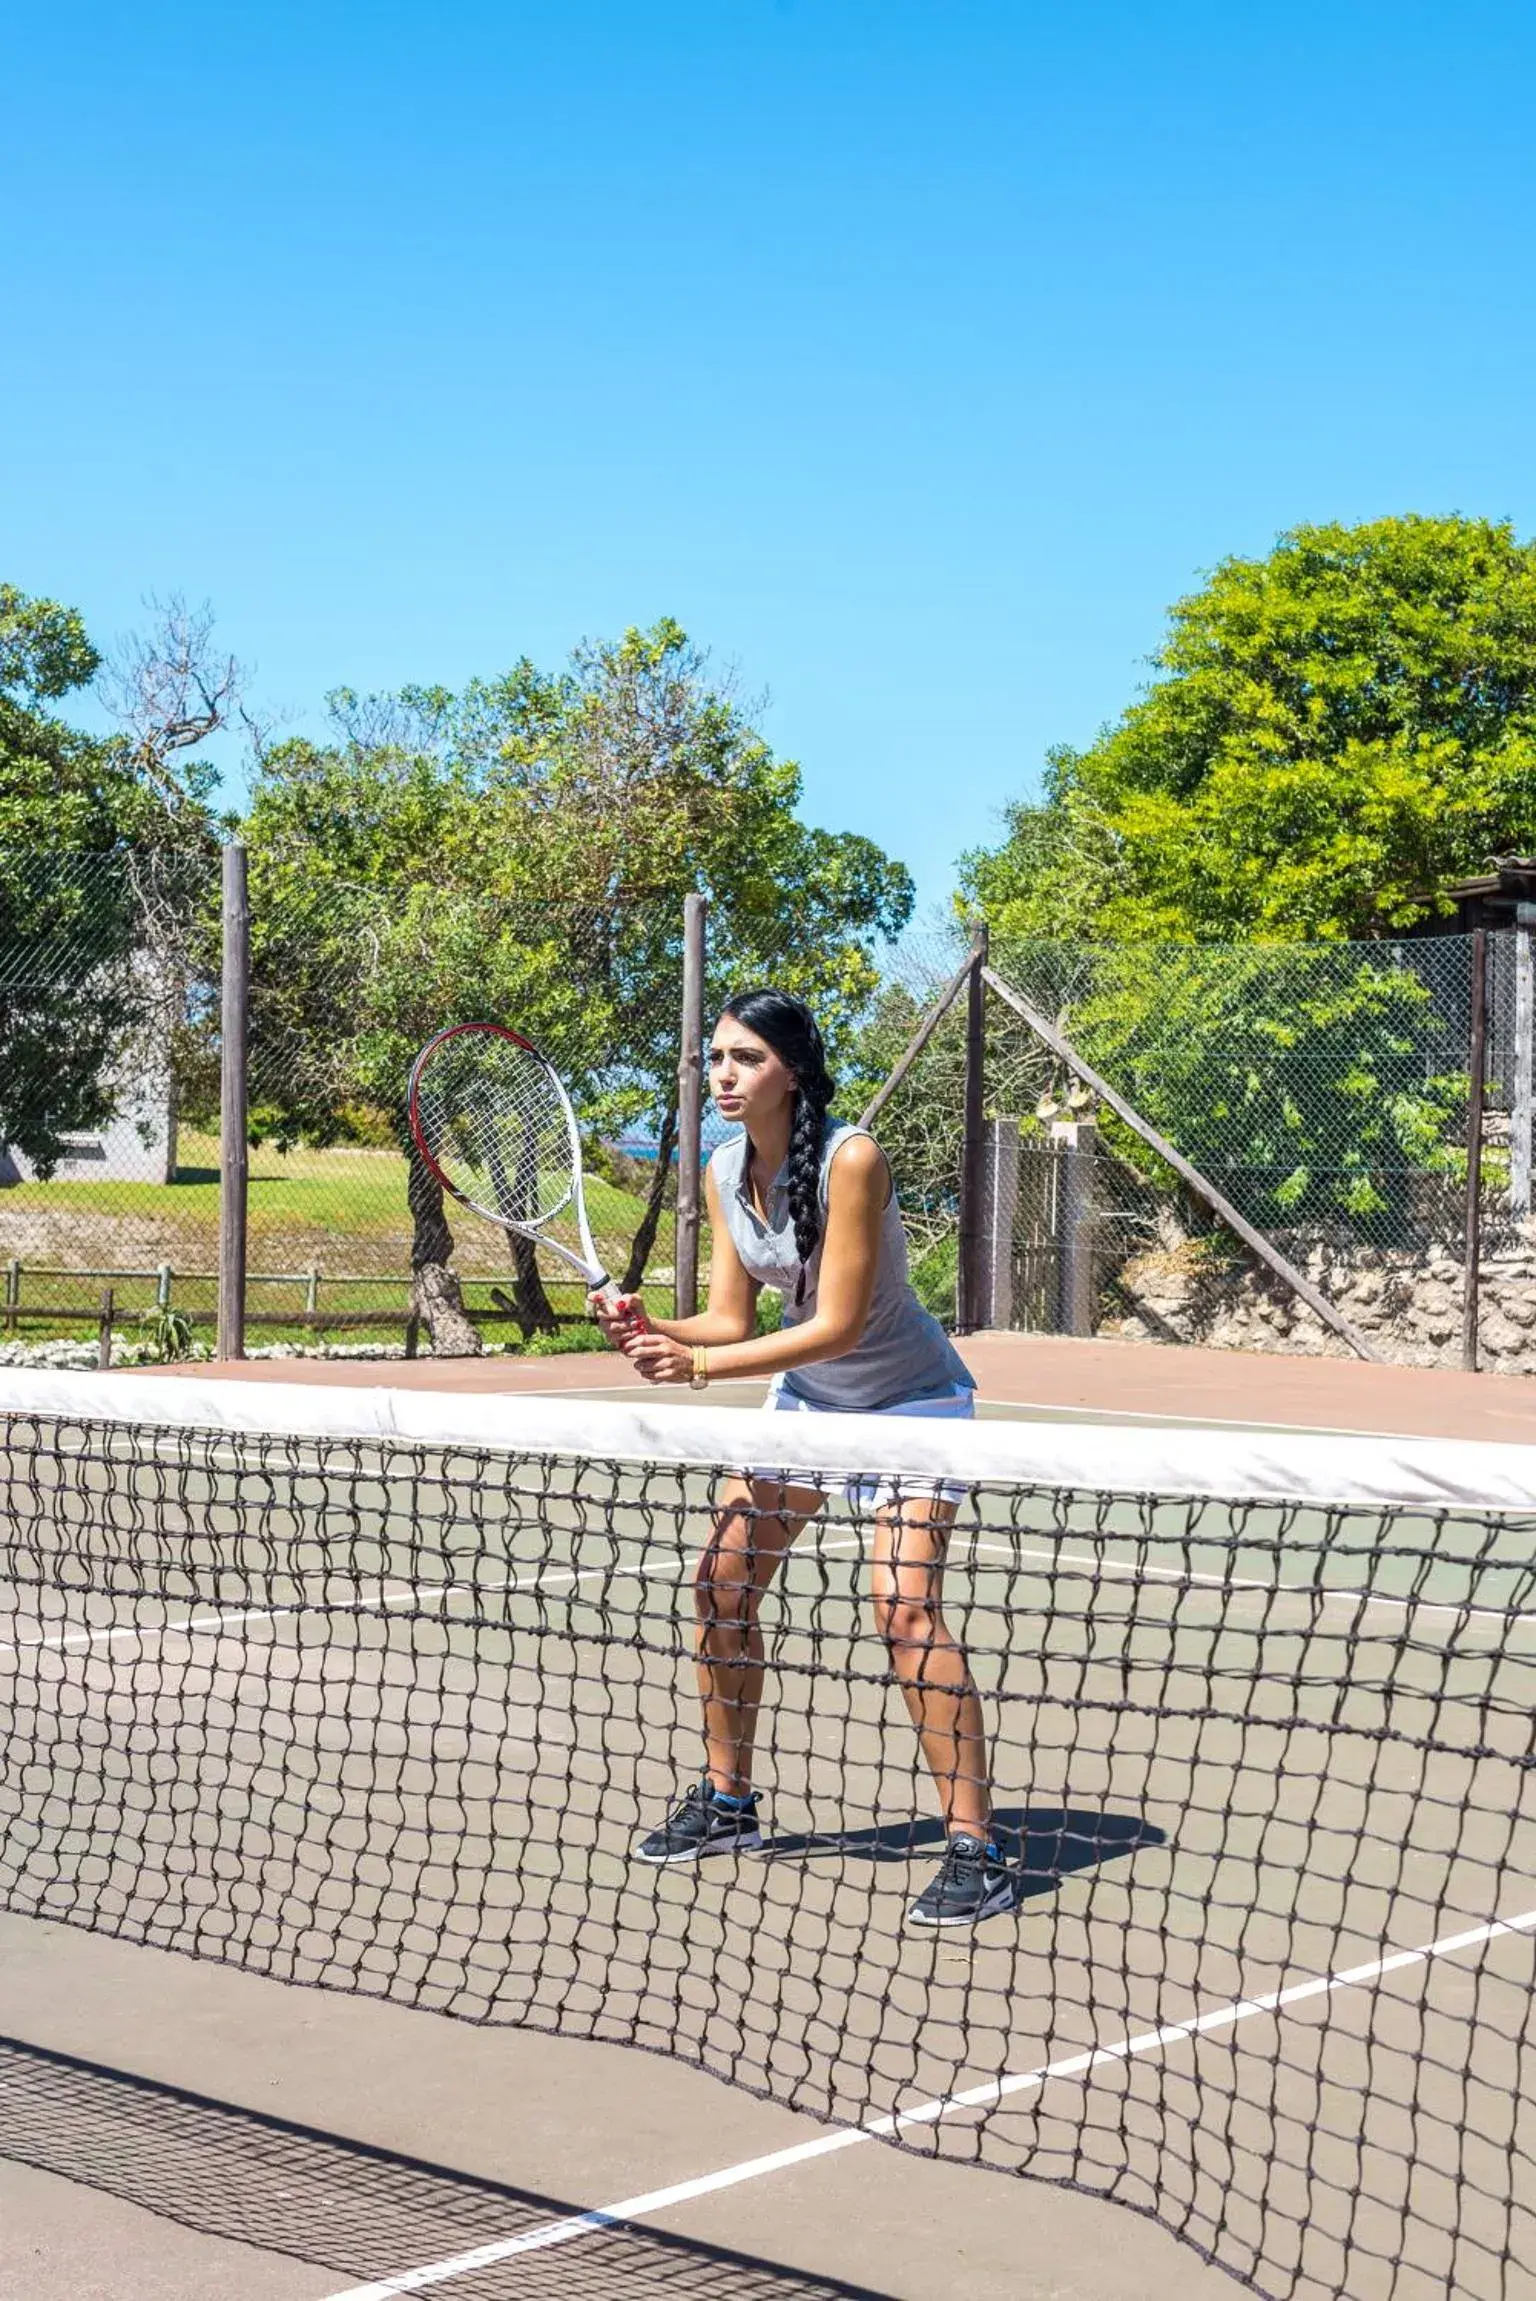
(1408,1302)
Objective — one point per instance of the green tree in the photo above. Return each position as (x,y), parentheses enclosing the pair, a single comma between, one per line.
(101,843)
(522,851)
(1311,1082)
(354,919)
(1335,734)
(632,778)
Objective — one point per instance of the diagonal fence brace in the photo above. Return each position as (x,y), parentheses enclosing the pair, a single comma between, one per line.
(1205,1191)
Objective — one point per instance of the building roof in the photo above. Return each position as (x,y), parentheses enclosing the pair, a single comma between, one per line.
(1512,877)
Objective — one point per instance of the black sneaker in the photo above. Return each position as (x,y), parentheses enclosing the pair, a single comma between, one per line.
(702,1825)
(973,1882)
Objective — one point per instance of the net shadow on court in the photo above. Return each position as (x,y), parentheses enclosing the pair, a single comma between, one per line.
(365,2213)
(1052,1844)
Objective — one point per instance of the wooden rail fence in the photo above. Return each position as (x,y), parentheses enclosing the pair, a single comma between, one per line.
(17,1311)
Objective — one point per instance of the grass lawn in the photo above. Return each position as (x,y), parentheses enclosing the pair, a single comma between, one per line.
(339,1212)
(342,1193)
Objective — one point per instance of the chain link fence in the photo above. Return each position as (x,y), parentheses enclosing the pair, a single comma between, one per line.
(108,1178)
(1322,1095)
(1317,1096)
(110,1155)
(347,984)
(921,1120)
(1320,1091)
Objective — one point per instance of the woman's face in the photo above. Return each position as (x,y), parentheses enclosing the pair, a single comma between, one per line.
(747,1079)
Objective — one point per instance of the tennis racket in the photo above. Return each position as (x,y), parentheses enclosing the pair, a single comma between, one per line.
(495,1125)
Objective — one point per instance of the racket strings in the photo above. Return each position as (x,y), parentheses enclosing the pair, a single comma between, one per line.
(497,1127)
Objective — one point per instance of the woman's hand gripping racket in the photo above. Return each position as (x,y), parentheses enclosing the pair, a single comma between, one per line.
(495,1126)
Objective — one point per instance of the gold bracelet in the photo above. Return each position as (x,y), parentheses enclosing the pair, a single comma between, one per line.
(699,1380)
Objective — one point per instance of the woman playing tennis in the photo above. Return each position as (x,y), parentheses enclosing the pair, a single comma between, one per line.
(804,1204)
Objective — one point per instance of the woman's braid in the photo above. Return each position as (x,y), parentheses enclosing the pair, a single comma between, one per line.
(788,1026)
(807,1132)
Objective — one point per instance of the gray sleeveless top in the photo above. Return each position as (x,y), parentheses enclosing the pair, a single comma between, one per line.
(903,1352)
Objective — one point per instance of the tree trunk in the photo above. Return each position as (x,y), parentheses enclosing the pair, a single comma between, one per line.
(516,1189)
(435,1297)
(645,1236)
(435,1293)
(530,1304)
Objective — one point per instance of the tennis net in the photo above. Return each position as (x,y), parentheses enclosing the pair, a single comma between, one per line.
(377,1692)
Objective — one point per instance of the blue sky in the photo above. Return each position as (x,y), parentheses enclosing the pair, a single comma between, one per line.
(915,356)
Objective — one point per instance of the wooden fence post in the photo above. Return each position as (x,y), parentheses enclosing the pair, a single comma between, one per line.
(1477,1065)
(234,1167)
(968,1276)
(1075,1142)
(999,1220)
(1524,1098)
(690,1114)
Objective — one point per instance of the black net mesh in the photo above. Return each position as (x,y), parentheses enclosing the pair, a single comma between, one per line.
(390,1716)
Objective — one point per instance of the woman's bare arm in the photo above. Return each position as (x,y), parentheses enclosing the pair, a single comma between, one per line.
(858,1187)
(732,1312)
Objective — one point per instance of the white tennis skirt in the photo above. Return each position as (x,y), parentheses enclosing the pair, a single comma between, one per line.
(957,1404)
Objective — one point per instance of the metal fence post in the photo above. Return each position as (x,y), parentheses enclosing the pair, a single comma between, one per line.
(234,1170)
(968,1275)
(1477,1064)
(690,1113)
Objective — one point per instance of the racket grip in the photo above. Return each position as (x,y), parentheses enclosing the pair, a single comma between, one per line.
(629,1308)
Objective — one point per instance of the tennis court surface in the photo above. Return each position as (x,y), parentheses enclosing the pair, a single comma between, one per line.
(372,1691)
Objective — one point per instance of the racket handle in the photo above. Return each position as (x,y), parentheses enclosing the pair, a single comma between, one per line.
(630,1305)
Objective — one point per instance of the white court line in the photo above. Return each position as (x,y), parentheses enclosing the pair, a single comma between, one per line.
(75,1640)
(1218,1582)
(927,2113)
(212,1624)
(410,1593)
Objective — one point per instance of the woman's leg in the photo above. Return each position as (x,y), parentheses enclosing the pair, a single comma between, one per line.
(755,1524)
(931,1669)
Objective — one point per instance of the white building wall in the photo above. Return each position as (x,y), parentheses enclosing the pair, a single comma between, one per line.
(137,1145)
(118,1153)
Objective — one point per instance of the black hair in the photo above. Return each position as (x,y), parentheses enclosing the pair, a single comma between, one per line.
(786,1024)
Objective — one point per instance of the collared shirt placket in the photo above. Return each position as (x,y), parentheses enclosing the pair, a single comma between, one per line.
(785,1260)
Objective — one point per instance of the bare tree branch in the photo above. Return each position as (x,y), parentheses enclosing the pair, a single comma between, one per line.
(169,689)
(260,731)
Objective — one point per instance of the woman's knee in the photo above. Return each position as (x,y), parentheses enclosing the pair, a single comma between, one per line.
(907,1624)
(724,1596)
